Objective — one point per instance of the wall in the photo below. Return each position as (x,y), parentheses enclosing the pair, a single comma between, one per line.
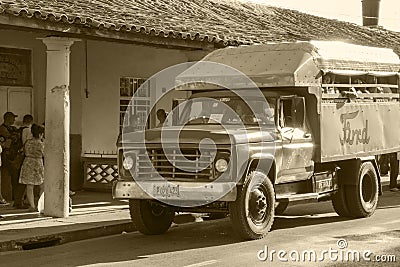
(107,63)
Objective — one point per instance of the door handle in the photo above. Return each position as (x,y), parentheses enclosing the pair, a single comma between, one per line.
(307,135)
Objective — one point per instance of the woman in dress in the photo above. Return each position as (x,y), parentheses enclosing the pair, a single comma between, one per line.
(32,170)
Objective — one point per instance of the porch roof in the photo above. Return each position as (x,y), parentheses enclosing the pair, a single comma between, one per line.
(218,22)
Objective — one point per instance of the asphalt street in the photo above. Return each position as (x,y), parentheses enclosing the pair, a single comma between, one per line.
(302,229)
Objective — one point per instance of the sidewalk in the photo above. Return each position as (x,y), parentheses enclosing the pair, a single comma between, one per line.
(94,214)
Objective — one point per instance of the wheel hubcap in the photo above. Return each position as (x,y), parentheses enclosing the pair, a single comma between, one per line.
(258,205)
(157,210)
(368,190)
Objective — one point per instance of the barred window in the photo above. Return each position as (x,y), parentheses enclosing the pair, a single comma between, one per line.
(134,100)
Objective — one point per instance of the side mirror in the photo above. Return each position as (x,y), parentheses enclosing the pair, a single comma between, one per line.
(298,112)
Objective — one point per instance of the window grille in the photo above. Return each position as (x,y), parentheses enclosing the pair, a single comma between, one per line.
(134,100)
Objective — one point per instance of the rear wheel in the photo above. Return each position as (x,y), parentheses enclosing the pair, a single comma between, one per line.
(252,214)
(339,202)
(362,198)
(150,218)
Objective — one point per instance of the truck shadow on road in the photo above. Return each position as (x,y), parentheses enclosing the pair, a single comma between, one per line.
(137,249)
(389,200)
(323,212)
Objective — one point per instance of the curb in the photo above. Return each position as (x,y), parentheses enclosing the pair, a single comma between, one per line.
(65,237)
(48,240)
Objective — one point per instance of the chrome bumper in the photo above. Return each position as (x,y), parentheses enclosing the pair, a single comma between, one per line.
(189,191)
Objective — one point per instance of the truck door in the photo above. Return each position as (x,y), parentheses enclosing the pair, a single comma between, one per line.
(297,145)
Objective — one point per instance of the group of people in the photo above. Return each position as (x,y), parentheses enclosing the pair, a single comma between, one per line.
(22,152)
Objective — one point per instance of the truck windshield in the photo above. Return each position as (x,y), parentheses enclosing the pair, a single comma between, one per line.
(228,110)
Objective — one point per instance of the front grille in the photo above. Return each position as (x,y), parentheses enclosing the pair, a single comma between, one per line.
(190,165)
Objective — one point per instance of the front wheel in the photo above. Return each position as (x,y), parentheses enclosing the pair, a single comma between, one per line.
(252,214)
(150,218)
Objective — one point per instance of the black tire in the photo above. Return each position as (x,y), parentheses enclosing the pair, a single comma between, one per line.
(281,207)
(150,218)
(339,202)
(362,198)
(252,214)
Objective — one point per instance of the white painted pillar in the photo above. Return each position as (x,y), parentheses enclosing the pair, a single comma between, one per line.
(56,181)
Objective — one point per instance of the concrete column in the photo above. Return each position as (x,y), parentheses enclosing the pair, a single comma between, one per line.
(56,182)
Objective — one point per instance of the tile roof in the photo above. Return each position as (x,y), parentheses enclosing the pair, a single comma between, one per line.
(228,22)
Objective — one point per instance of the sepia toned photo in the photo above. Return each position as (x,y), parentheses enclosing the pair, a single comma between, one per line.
(199,133)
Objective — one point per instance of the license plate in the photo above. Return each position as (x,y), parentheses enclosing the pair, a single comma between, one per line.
(324,185)
(168,190)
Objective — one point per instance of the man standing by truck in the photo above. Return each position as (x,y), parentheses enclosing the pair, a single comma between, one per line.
(11,157)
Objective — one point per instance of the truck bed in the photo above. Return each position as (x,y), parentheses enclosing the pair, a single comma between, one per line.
(359,127)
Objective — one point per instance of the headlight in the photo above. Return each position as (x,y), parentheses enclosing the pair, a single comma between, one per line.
(128,163)
(221,165)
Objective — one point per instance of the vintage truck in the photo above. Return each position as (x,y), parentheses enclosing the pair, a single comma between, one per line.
(327,110)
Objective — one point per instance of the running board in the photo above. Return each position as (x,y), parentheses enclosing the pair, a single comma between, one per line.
(306,197)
